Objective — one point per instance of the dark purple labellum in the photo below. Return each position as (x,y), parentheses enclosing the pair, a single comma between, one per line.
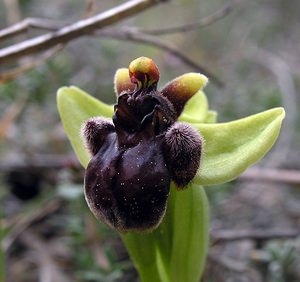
(134,159)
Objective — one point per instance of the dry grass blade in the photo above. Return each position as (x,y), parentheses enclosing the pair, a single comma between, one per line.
(25,222)
(10,115)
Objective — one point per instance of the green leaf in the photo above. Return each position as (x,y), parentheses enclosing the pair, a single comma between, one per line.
(76,106)
(233,146)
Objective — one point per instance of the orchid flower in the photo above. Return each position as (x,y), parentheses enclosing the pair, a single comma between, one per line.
(147,156)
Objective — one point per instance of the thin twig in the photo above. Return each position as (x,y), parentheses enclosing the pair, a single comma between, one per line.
(119,35)
(28,23)
(274,175)
(75,30)
(156,42)
(8,54)
(206,21)
(255,234)
(28,65)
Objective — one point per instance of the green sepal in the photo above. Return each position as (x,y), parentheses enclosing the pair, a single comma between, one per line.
(76,106)
(232,147)
(211,117)
(196,109)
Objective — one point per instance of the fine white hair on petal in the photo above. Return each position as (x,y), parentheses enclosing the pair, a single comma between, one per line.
(94,131)
(182,135)
(183,150)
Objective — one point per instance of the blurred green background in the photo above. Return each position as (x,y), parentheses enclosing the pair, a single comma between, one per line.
(49,233)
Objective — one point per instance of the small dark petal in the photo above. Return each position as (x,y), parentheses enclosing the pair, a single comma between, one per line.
(170,91)
(182,88)
(167,107)
(95,131)
(182,150)
(124,117)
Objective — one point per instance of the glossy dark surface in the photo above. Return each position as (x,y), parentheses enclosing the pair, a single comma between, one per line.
(128,188)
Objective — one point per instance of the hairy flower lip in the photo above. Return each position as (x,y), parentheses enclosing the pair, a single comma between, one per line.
(112,190)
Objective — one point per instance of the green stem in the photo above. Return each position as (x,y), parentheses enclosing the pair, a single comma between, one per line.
(143,252)
(177,249)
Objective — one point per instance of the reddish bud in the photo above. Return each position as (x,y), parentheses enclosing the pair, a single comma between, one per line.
(143,72)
